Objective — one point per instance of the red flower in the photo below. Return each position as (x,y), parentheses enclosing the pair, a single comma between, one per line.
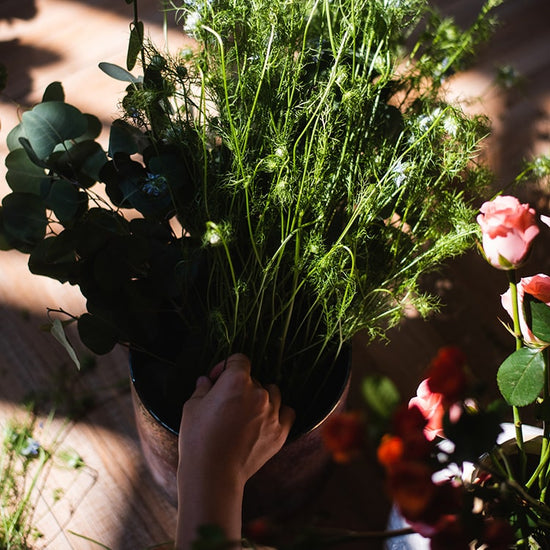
(343,435)
(411,488)
(409,425)
(259,530)
(451,536)
(498,534)
(446,374)
(407,420)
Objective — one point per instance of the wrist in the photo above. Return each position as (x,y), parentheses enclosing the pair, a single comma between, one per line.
(218,474)
(208,496)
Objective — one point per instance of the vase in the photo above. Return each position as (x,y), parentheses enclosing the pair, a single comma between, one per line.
(286,482)
(414,541)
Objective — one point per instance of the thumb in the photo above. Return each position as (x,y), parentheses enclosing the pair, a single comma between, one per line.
(202,387)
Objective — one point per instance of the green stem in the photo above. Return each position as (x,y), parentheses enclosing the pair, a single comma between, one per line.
(519,344)
(544,478)
(512,281)
(544,455)
(295,277)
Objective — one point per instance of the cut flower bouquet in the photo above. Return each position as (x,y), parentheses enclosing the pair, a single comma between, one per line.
(451,472)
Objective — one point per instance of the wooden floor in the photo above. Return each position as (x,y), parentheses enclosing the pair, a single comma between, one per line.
(113,499)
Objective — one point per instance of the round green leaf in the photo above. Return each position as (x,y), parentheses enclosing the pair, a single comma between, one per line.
(64,199)
(12,140)
(521,377)
(23,175)
(82,162)
(33,157)
(25,221)
(540,320)
(123,138)
(55,257)
(93,161)
(97,335)
(93,130)
(52,123)
(54,92)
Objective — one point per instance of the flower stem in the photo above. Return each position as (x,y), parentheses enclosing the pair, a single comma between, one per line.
(519,343)
(512,281)
(544,478)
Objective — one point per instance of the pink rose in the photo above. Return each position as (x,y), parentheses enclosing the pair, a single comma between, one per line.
(537,286)
(431,406)
(508,228)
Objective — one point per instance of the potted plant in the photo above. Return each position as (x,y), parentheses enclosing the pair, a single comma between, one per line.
(275,190)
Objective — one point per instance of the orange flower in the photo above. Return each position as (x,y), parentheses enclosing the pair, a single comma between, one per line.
(343,435)
(390,450)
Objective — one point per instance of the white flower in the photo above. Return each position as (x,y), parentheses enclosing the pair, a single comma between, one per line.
(214,238)
(398,171)
(450,125)
(192,22)
(425,121)
(213,235)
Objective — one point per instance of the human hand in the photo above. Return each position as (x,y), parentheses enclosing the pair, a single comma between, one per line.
(231,425)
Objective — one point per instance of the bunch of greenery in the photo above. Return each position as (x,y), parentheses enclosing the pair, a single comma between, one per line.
(275,190)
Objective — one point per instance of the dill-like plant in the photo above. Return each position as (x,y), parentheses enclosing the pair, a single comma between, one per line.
(326,172)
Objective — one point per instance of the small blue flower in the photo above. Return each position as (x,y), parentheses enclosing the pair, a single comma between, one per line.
(31,448)
(154,185)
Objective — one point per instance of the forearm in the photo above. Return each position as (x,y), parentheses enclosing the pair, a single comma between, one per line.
(206,499)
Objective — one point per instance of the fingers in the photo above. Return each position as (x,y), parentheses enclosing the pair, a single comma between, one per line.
(274,395)
(286,413)
(235,361)
(214,374)
(238,361)
(286,417)
(202,387)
